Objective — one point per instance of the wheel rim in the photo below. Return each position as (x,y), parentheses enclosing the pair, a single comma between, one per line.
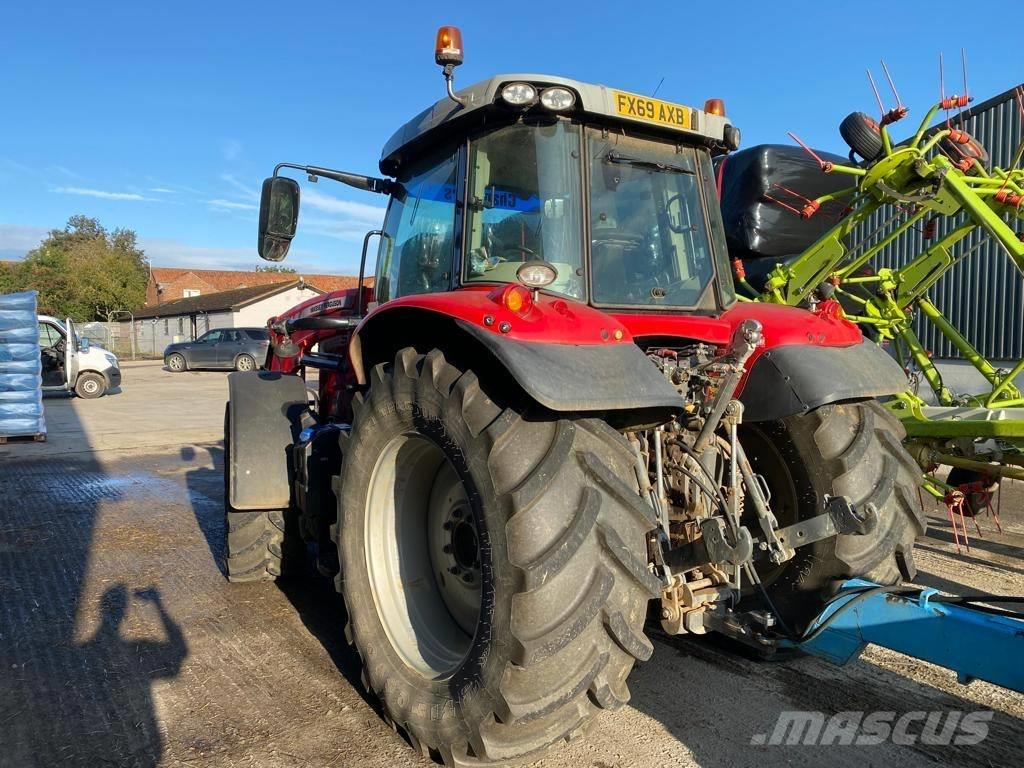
(175,363)
(245,363)
(422,556)
(90,387)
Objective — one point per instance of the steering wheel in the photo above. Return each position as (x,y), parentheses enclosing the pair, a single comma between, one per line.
(520,249)
(622,239)
(680,227)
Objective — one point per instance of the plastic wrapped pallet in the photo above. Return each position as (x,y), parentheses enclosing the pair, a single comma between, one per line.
(21,393)
(752,185)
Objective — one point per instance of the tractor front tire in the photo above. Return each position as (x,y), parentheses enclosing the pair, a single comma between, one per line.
(260,544)
(493,566)
(849,449)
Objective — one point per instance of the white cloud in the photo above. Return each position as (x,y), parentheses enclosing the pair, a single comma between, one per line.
(163,252)
(352,231)
(247,191)
(16,239)
(65,172)
(231,149)
(20,167)
(231,205)
(163,190)
(87,192)
(370,214)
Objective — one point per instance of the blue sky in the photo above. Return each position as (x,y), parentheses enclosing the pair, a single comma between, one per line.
(165,117)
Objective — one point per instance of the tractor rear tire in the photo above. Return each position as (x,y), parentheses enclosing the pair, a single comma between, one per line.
(261,544)
(559,563)
(848,449)
(861,133)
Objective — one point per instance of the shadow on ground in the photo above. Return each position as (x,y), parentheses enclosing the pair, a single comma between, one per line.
(318,605)
(75,684)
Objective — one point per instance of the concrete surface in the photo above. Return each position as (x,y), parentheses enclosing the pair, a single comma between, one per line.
(122,645)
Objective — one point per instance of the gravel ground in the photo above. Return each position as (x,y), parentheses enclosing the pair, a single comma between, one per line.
(121,644)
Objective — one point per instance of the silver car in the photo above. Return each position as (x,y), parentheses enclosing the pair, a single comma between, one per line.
(242,349)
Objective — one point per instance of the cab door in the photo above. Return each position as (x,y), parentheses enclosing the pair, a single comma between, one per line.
(71,354)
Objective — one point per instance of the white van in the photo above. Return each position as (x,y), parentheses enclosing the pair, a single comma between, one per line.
(73,364)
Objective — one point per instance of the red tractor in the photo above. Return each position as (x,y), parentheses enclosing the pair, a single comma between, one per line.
(550,418)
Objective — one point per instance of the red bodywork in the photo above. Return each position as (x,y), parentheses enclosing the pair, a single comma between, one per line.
(555,320)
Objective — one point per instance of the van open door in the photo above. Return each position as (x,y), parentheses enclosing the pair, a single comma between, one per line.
(71,347)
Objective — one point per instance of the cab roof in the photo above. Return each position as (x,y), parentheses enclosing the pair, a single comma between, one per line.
(609,105)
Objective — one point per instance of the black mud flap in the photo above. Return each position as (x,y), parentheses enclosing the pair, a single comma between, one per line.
(585,377)
(265,416)
(795,379)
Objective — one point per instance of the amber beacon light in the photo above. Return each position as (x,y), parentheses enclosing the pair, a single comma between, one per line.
(448,49)
(715,107)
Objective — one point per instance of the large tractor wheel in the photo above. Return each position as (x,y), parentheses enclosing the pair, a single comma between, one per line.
(851,450)
(493,566)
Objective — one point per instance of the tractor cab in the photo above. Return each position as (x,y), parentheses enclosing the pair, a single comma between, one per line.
(594,194)
(583,191)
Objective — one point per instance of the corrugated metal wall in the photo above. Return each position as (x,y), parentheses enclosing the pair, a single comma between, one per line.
(982,295)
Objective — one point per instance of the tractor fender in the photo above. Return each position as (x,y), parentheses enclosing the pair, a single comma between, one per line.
(796,378)
(559,375)
(264,417)
(582,377)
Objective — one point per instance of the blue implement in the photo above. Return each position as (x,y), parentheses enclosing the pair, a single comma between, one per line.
(974,644)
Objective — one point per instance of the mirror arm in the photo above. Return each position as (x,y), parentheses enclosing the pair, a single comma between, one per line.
(357,180)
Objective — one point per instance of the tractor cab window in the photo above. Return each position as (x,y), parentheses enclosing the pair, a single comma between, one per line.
(524,204)
(416,251)
(648,230)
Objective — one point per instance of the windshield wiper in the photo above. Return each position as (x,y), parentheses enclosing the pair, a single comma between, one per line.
(650,165)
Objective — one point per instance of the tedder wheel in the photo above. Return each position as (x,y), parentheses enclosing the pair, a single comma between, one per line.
(972,149)
(853,450)
(261,544)
(861,133)
(245,363)
(177,363)
(90,386)
(494,567)
(980,489)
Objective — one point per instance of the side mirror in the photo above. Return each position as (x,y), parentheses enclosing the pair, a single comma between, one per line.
(83,345)
(279,216)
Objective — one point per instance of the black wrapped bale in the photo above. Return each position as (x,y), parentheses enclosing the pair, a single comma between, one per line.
(756,226)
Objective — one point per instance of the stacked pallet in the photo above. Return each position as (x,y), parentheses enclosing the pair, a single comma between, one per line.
(21,393)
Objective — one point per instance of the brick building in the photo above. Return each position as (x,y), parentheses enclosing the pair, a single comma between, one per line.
(170,283)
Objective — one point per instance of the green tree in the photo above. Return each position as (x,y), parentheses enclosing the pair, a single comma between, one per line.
(279,268)
(85,272)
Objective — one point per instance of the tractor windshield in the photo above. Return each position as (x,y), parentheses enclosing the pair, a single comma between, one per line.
(649,239)
(648,232)
(525,204)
